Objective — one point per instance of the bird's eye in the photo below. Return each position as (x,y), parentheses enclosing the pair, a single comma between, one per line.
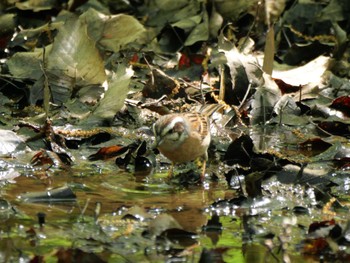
(171,131)
(177,128)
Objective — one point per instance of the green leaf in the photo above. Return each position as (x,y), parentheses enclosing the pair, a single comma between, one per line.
(114,97)
(75,54)
(200,32)
(26,64)
(112,32)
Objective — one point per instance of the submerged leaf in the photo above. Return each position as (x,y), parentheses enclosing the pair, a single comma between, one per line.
(161,223)
(77,255)
(60,194)
(179,236)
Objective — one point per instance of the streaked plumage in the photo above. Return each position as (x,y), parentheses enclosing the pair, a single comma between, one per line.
(182,137)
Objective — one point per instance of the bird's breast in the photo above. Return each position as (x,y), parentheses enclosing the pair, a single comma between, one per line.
(189,150)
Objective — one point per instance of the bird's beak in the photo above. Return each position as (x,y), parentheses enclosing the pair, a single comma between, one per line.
(157,139)
(156,143)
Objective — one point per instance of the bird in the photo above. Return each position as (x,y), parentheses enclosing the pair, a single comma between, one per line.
(183,137)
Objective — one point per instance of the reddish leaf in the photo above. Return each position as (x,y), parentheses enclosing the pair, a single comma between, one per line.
(37,259)
(41,158)
(335,127)
(315,246)
(77,256)
(4,39)
(50,158)
(108,152)
(134,58)
(342,104)
(286,88)
(342,163)
(197,58)
(318,244)
(318,225)
(184,61)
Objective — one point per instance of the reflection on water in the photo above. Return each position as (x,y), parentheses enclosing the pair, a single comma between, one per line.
(240,237)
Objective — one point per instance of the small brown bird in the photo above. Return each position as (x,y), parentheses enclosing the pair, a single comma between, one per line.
(183,137)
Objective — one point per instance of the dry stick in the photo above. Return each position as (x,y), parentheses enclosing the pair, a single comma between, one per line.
(85,207)
(143,105)
(264,108)
(178,37)
(286,37)
(201,90)
(97,211)
(192,86)
(222,83)
(322,130)
(151,69)
(245,95)
(281,112)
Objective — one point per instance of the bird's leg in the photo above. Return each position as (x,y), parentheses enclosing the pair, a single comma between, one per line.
(203,170)
(201,163)
(204,163)
(171,170)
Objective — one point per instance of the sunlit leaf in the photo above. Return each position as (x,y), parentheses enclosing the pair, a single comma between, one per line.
(311,72)
(112,32)
(114,97)
(36,5)
(243,71)
(233,9)
(68,66)
(10,142)
(69,54)
(215,22)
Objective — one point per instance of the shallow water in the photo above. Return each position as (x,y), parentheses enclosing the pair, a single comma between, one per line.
(250,231)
